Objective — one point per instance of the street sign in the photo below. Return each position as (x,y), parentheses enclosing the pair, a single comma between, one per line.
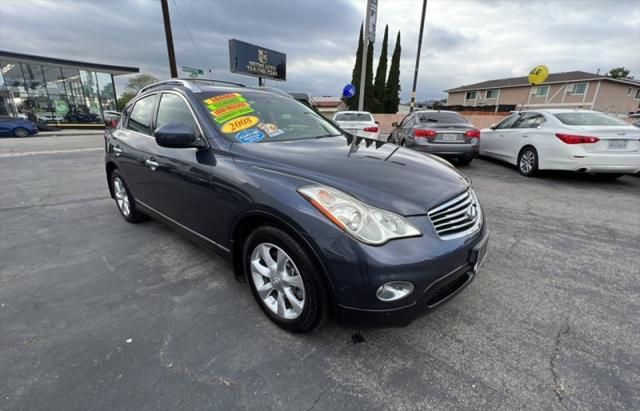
(252,60)
(349,90)
(193,70)
(373,14)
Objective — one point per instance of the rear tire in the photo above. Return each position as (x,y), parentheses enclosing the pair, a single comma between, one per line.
(124,199)
(528,161)
(285,275)
(20,132)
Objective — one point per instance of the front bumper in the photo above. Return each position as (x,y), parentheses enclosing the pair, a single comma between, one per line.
(432,290)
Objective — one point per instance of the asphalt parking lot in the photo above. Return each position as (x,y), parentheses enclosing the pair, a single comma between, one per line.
(96,313)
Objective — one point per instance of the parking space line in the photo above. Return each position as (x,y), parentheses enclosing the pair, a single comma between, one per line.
(31,153)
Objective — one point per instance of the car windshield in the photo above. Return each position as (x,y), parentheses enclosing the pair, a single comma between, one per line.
(440,117)
(253,117)
(589,119)
(353,117)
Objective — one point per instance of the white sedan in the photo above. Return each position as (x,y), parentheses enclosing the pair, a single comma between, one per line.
(561,139)
(358,123)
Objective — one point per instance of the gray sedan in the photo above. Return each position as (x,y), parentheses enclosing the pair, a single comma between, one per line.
(444,133)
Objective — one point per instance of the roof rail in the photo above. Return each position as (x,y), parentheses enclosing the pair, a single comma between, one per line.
(189,83)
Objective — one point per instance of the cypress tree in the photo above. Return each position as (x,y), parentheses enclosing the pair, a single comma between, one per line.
(355,76)
(379,88)
(369,95)
(392,97)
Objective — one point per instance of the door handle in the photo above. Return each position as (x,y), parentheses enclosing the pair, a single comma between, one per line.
(525,136)
(117,150)
(151,164)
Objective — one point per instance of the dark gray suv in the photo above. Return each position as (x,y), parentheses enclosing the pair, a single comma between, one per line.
(444,133)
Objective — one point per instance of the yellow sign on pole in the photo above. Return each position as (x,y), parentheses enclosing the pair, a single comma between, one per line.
(538,75)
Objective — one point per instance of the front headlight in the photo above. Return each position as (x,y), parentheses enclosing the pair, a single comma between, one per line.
(368,224)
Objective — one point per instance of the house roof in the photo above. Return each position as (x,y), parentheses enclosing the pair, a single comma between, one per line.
(570,76)
(115,70)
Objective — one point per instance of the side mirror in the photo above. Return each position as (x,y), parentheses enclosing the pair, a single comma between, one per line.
(493,126)
(176,136)
(394,124)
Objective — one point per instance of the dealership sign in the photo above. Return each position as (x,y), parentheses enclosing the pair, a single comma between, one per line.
(252,60)
(193,71)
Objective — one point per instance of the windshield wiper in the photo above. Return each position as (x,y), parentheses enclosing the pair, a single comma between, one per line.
(328,135)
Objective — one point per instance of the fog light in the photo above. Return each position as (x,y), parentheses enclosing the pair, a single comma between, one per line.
(394,290)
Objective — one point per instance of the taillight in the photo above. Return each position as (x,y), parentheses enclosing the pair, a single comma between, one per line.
(371,129)
(425,133)
(573,139)
(473,133)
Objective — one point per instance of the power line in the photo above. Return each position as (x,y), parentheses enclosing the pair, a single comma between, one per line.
(189,33)
(199,36)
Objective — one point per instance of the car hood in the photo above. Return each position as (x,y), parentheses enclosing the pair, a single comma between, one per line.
(380,174)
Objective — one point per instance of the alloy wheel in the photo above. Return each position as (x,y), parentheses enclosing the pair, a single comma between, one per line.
(121,196)
(527,161)
(277,281)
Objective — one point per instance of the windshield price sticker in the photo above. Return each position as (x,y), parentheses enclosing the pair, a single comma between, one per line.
(250,136)
(228,106)
(239,124)
(271,129)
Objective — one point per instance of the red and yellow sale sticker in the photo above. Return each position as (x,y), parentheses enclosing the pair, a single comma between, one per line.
(228,106)
(240,123)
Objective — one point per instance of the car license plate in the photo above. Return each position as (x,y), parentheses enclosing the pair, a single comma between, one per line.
(480,252)
(449,137)
(617,144)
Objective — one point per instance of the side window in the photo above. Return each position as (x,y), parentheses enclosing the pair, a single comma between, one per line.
(174,110)
(408,121)
(529,121)
(140,118)
(508,122)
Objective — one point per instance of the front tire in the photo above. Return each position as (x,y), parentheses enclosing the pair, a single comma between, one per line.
(124,200)
(20,132)
(284,280)
(528,162)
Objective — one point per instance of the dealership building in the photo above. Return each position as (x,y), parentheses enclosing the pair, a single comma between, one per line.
(52,89)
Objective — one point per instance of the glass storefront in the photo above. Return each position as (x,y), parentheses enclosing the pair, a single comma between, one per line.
(42,92)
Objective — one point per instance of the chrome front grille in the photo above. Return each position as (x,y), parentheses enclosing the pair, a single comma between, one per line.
(457,217)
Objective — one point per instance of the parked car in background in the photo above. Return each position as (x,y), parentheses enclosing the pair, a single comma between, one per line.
(444,133)
(637,123)
(562,139)
(316,221)
(111,118)
(83,118)
(358,123)
(16,127)
(49,117)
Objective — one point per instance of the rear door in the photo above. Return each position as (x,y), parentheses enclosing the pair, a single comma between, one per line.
(130,145)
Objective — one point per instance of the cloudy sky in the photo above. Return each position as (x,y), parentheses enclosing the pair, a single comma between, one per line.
(464,41)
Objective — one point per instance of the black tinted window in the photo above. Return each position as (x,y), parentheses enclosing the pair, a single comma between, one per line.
(140,119)
(440,117)
(174,110)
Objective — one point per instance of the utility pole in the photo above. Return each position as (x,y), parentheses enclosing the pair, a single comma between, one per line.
(167,32)
(372,12)
(415,74)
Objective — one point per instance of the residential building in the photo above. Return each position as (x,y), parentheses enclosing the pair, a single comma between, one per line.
(65,90)
(574,89)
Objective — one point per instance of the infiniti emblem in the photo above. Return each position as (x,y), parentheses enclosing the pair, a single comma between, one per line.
(471,212)
(622,133)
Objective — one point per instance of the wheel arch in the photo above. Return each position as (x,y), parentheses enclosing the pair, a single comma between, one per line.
(246,222)
(110,166)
